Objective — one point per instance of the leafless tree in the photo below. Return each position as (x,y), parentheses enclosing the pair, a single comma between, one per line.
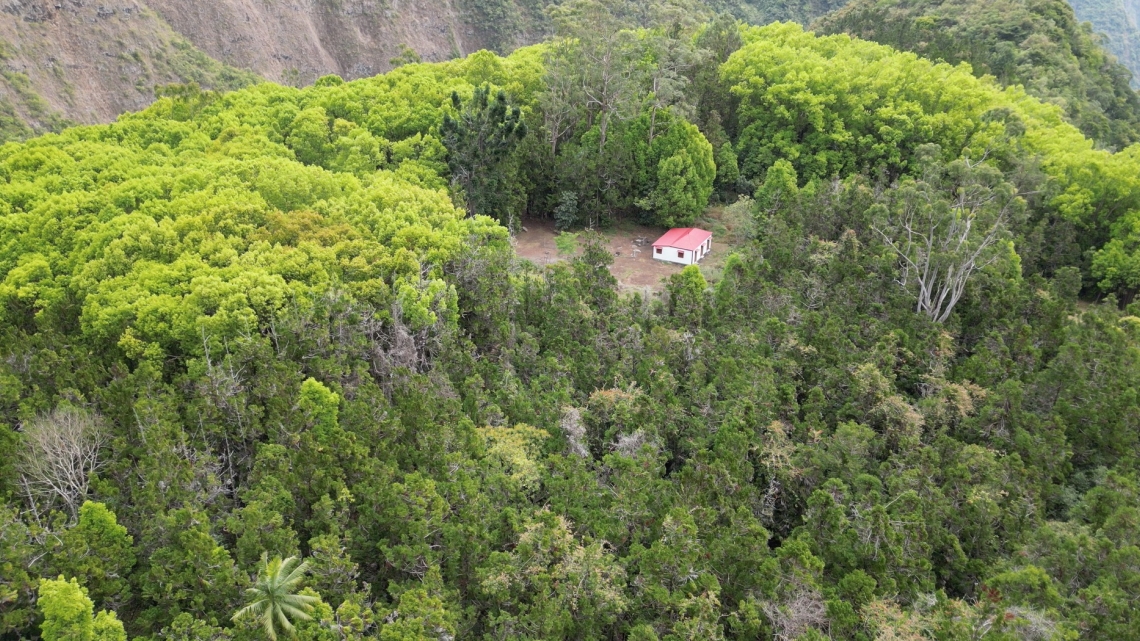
(575,432)
(60,453)
(631,445)
(802,609)
(945,228)
(397,345)
(224,383)
(1035,625)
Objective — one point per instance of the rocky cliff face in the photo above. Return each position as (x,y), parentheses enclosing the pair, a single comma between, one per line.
(87,61)
(297,41)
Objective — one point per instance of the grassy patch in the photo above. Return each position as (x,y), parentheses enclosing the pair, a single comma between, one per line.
(37,116)
(732,227)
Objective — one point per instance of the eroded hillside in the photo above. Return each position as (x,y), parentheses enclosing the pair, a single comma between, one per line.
(87,62)
(299,40)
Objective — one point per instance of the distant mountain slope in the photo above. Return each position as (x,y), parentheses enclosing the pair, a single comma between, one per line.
(298,41)
(78,61)
(75,60)
(1119,21)
(765,11)
(1039,44)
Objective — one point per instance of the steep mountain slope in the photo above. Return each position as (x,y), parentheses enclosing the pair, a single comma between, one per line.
(88,63)
(78,61)
(299,41)
(765,11)
(75,60)
(1118,20)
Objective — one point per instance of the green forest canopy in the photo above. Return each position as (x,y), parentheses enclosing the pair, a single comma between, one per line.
(262,324)
(1038,44)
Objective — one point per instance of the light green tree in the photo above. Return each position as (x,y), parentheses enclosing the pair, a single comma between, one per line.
(272,599)
(555,585)
(99,552)
(68,614)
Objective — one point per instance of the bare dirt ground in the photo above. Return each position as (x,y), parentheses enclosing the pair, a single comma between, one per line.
(634,266)
(630,244)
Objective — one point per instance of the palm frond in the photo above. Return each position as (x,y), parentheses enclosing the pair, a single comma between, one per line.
(300,600)
(253,609)
(294,574)
(284,620)
(295,612)
(271,600)
(267,623)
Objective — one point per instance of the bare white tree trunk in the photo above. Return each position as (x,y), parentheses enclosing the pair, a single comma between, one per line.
(941,243)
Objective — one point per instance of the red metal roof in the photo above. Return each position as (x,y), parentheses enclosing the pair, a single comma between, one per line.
(689,238)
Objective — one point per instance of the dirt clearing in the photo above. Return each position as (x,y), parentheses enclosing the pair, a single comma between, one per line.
(634,266)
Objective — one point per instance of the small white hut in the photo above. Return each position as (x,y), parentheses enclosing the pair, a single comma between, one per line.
(684,245)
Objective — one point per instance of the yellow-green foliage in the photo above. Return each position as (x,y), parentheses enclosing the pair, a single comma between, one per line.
(517,451)
(1038,44)
(836,105)
(68,614)
(204,215)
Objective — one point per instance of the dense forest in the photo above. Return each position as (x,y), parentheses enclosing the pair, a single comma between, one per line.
(270,367)
(1039,44)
